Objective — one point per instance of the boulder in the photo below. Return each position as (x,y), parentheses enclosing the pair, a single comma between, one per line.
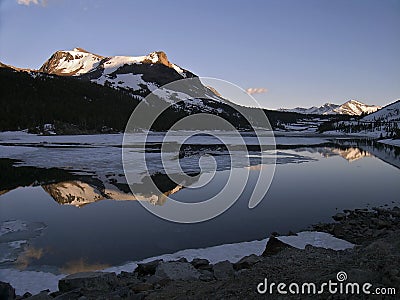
(147,268)
(206,275)
(223,270)
(42,296)
(101,281)
(142,287)
(175,270)
(339,217)
(6,291)
(127,278)
(74,294)
(274,246)
(200,263)
(247,261)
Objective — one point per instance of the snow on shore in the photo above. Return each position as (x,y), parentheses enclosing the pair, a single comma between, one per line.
(391,142)
(34,282)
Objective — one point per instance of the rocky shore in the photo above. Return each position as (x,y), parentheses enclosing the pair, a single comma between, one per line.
(375,259)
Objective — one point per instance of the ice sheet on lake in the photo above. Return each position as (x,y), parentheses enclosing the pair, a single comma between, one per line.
(101,155)
(14,236)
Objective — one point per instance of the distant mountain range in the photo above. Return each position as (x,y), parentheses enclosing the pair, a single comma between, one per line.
(351,107)
(78,92)
(384,123)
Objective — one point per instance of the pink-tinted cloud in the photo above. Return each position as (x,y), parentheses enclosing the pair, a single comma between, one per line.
(252,91)
(34,2)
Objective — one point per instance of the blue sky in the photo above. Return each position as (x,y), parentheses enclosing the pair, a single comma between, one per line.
(303,52)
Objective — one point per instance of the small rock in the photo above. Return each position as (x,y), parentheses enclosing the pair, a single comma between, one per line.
(138,296)
(382,224)
(352,222)
(6,291)
(142,287)
(88,281)
(175,270)
(247,261)
(200,263)
(41,296)
(223,270)
(147,268)
(206,275)
(123,292)
(154,279)
(74,294)
(126,278)
(274,246)
(338,230)
(339,217)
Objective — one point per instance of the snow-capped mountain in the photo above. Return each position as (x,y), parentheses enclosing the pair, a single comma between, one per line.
(71,63)
(138,75)
(351,154)
(79,193)
(390,112)
(384,123)
(351,107)
(71,79)
(354,107)
(79,61)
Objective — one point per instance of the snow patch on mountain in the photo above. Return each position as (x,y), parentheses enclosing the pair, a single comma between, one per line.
(390,112)
(74,62)
(351,107)
(354,107)
(79,61)
(126,81)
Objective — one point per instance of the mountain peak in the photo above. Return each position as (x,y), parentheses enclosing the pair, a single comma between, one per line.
(71,62)
(80,61)
(158,57)
(354,101)
(78,49)
(351,107)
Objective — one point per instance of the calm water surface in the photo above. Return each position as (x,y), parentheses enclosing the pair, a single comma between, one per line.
(321,182)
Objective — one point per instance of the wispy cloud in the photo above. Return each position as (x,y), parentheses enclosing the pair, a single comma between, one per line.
(34,2)
(252,91)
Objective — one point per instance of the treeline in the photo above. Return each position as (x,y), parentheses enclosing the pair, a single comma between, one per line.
(28,101)
(387,129)
(74,106)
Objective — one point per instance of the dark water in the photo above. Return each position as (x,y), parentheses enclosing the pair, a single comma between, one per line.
(323,181)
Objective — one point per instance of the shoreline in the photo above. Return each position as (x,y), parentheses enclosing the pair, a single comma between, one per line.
(375,259)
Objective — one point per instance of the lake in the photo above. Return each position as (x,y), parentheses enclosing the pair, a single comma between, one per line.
(75,187)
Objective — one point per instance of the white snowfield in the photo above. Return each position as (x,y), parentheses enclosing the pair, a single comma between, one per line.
(82,63)
(351,107)
(85,62)
(34,282)
(390,112)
